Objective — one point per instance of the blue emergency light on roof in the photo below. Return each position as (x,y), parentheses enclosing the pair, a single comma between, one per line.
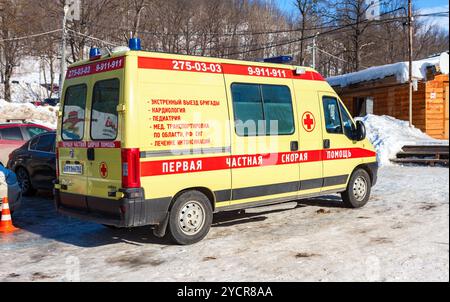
(135,44)
(279,60)
(94,53)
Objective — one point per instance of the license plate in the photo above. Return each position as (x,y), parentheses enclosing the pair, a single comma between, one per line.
(73,169)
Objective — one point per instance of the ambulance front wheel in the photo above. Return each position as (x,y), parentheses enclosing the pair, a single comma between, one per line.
(358,191)
(190,218)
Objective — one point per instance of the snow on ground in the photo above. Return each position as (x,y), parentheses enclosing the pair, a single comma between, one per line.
(399,70)
(390,135)
(44,115)
(401,235)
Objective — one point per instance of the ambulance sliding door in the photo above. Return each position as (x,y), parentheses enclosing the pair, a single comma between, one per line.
(310,141)
(262,166)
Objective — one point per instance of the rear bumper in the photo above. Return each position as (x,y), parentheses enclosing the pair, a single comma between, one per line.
(131,211)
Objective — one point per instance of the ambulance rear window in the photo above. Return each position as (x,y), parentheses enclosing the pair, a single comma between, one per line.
(104,119)
(73,113)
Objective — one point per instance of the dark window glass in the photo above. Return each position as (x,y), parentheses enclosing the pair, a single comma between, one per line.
(104,122)
(262,109)
(333,121)
(33,143)
(12,134)
(74,113)
(278,109)
(248,108)
(46,143)
(349,127)
(33,131)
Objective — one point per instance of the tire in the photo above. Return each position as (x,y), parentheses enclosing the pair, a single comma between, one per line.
(111,227)
(358,191)
(190,218)
(25,182)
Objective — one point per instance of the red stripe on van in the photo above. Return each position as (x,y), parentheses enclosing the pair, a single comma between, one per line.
(85,145)
(96,67)
(232,69)
(194,165)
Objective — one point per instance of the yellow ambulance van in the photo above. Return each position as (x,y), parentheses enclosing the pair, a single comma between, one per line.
(168,140)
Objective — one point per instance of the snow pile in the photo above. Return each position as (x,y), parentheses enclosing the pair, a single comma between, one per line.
(399,70)
(24,92)
(27,79)
(390,135)
(43,115)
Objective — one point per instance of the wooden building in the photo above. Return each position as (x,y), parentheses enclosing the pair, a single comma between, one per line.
(384,90)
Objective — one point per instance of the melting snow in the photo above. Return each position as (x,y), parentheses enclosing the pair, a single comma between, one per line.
(43,115)
(399,70)
(389,135)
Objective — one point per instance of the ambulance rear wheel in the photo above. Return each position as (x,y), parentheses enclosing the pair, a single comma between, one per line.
(358,192)
(190,218)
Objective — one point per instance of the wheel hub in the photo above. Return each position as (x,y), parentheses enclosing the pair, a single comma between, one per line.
(360,189)
(192,218)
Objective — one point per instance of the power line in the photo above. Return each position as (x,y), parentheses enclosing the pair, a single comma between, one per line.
(280,31)
(339,29)
(92,38)
(31,36)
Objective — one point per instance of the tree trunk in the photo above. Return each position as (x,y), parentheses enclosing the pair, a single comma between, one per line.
(8,75)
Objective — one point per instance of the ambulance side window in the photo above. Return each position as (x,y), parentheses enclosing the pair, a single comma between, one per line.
(261,110)
(333,121)
(349,126)
(74,113)
(278,109)
(104,117)
(248,109)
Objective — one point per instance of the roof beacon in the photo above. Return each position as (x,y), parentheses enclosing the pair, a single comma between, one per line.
(279,60)
(300,71)
(94,54)
(135,44)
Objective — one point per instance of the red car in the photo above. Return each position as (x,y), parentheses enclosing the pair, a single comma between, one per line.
(14,135)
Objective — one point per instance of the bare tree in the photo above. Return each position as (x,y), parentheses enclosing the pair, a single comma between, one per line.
(12,26)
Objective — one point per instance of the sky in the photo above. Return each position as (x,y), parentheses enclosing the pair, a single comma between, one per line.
(425,7)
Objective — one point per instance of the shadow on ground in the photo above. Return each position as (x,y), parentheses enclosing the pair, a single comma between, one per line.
(37,216)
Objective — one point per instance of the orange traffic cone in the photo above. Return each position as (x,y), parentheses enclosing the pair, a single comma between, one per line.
(6,225)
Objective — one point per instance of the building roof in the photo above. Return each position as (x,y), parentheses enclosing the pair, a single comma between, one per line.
(399,70)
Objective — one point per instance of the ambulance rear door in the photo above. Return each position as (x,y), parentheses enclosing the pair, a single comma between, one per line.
(72,157)
(104,154)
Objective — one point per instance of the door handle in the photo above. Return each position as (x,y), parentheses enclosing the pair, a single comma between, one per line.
(91,154)
(326,144)
(294,146)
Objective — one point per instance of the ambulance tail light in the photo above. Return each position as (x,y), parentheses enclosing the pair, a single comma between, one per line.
(131,170)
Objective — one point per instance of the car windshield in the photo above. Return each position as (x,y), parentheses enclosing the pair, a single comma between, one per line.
(33,131)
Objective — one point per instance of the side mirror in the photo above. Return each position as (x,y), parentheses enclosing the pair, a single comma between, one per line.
(360,133)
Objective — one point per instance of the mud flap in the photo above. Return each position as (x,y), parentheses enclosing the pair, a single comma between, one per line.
(160,230)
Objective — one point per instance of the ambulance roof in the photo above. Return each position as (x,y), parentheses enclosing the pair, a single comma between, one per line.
(163,55)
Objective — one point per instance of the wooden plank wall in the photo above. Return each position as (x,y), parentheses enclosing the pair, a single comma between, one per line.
(390,98)
(437,107)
